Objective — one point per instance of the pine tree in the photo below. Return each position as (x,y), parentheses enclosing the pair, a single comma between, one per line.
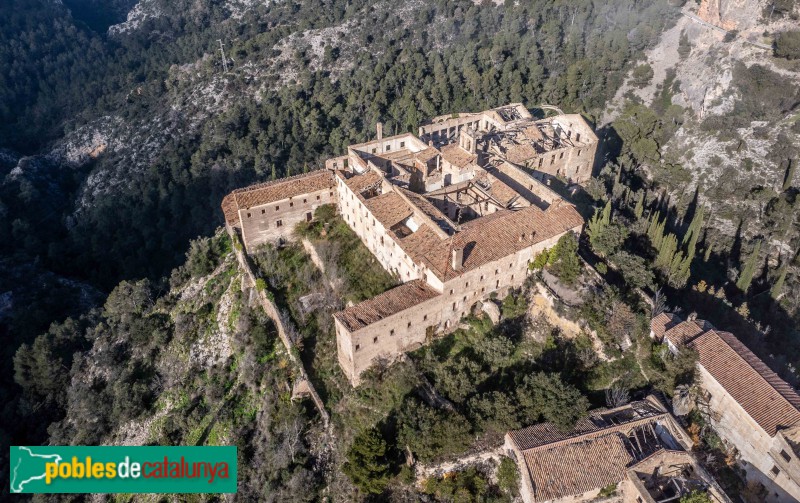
(746,276)
(775,291)
(638,211)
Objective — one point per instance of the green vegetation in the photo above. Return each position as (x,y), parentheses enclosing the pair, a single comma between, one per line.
(787,44)
(562,259)
(468,486)
(696,497)
(366,462)
(342,250)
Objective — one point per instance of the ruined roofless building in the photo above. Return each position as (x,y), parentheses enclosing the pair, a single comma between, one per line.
(457,214)
(638,450)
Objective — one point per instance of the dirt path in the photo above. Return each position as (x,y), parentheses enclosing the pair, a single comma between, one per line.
(437,470)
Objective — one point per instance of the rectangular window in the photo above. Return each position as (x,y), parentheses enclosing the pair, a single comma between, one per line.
(579,152)
(277,208)
(358,346)
(248,215)
(391,332)
(308,216)
(454,306)
(451,291)
(304,201)
(553,159)
(374,150)
(263,211)
(388,148)
(318,197)
(561,155)
(578,137)
(540,161)
(402,144)
(425,318)
(374,340)
(409,325)
(291,204)
(278,223)
(467,285)
(496,272)
(775,471)
(785,456)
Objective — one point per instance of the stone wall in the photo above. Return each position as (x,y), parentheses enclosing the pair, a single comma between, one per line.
(275,221)
(758,451)
(407,330)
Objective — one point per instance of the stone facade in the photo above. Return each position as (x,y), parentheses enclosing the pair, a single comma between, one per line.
(457,214)
(750,407)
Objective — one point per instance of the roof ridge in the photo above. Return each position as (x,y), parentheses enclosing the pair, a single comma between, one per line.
(269,183)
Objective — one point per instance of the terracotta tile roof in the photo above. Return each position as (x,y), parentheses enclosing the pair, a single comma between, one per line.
(230,210)
(389,208)
(577,468)
(599,422)
(489,239)
(532,132)
(590,456)
(428,208)
(359,183)
(520,153)
(501,191)
(276,190)
(663,322)
(767,398)
(427,154)
(457,156)
(684,331)
(386,304)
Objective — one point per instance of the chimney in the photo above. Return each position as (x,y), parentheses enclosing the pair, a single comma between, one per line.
(379,128)
(457,259)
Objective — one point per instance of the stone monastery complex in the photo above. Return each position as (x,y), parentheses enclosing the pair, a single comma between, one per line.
(457,213)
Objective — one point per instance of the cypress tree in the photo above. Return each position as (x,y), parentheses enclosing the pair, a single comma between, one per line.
(638,211)
(607,213)
(666,252)
(707,254)
(693,232)
(746,276)
(789,177)
(775,291)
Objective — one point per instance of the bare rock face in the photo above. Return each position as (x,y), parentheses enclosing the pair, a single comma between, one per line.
(710,13)
(491,310)
(730,14)
(682,402)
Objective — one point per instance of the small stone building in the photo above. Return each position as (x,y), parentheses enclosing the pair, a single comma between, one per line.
(456,214)
(634,453)
(752,409)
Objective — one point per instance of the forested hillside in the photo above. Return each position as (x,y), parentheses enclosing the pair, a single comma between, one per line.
(121,131)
